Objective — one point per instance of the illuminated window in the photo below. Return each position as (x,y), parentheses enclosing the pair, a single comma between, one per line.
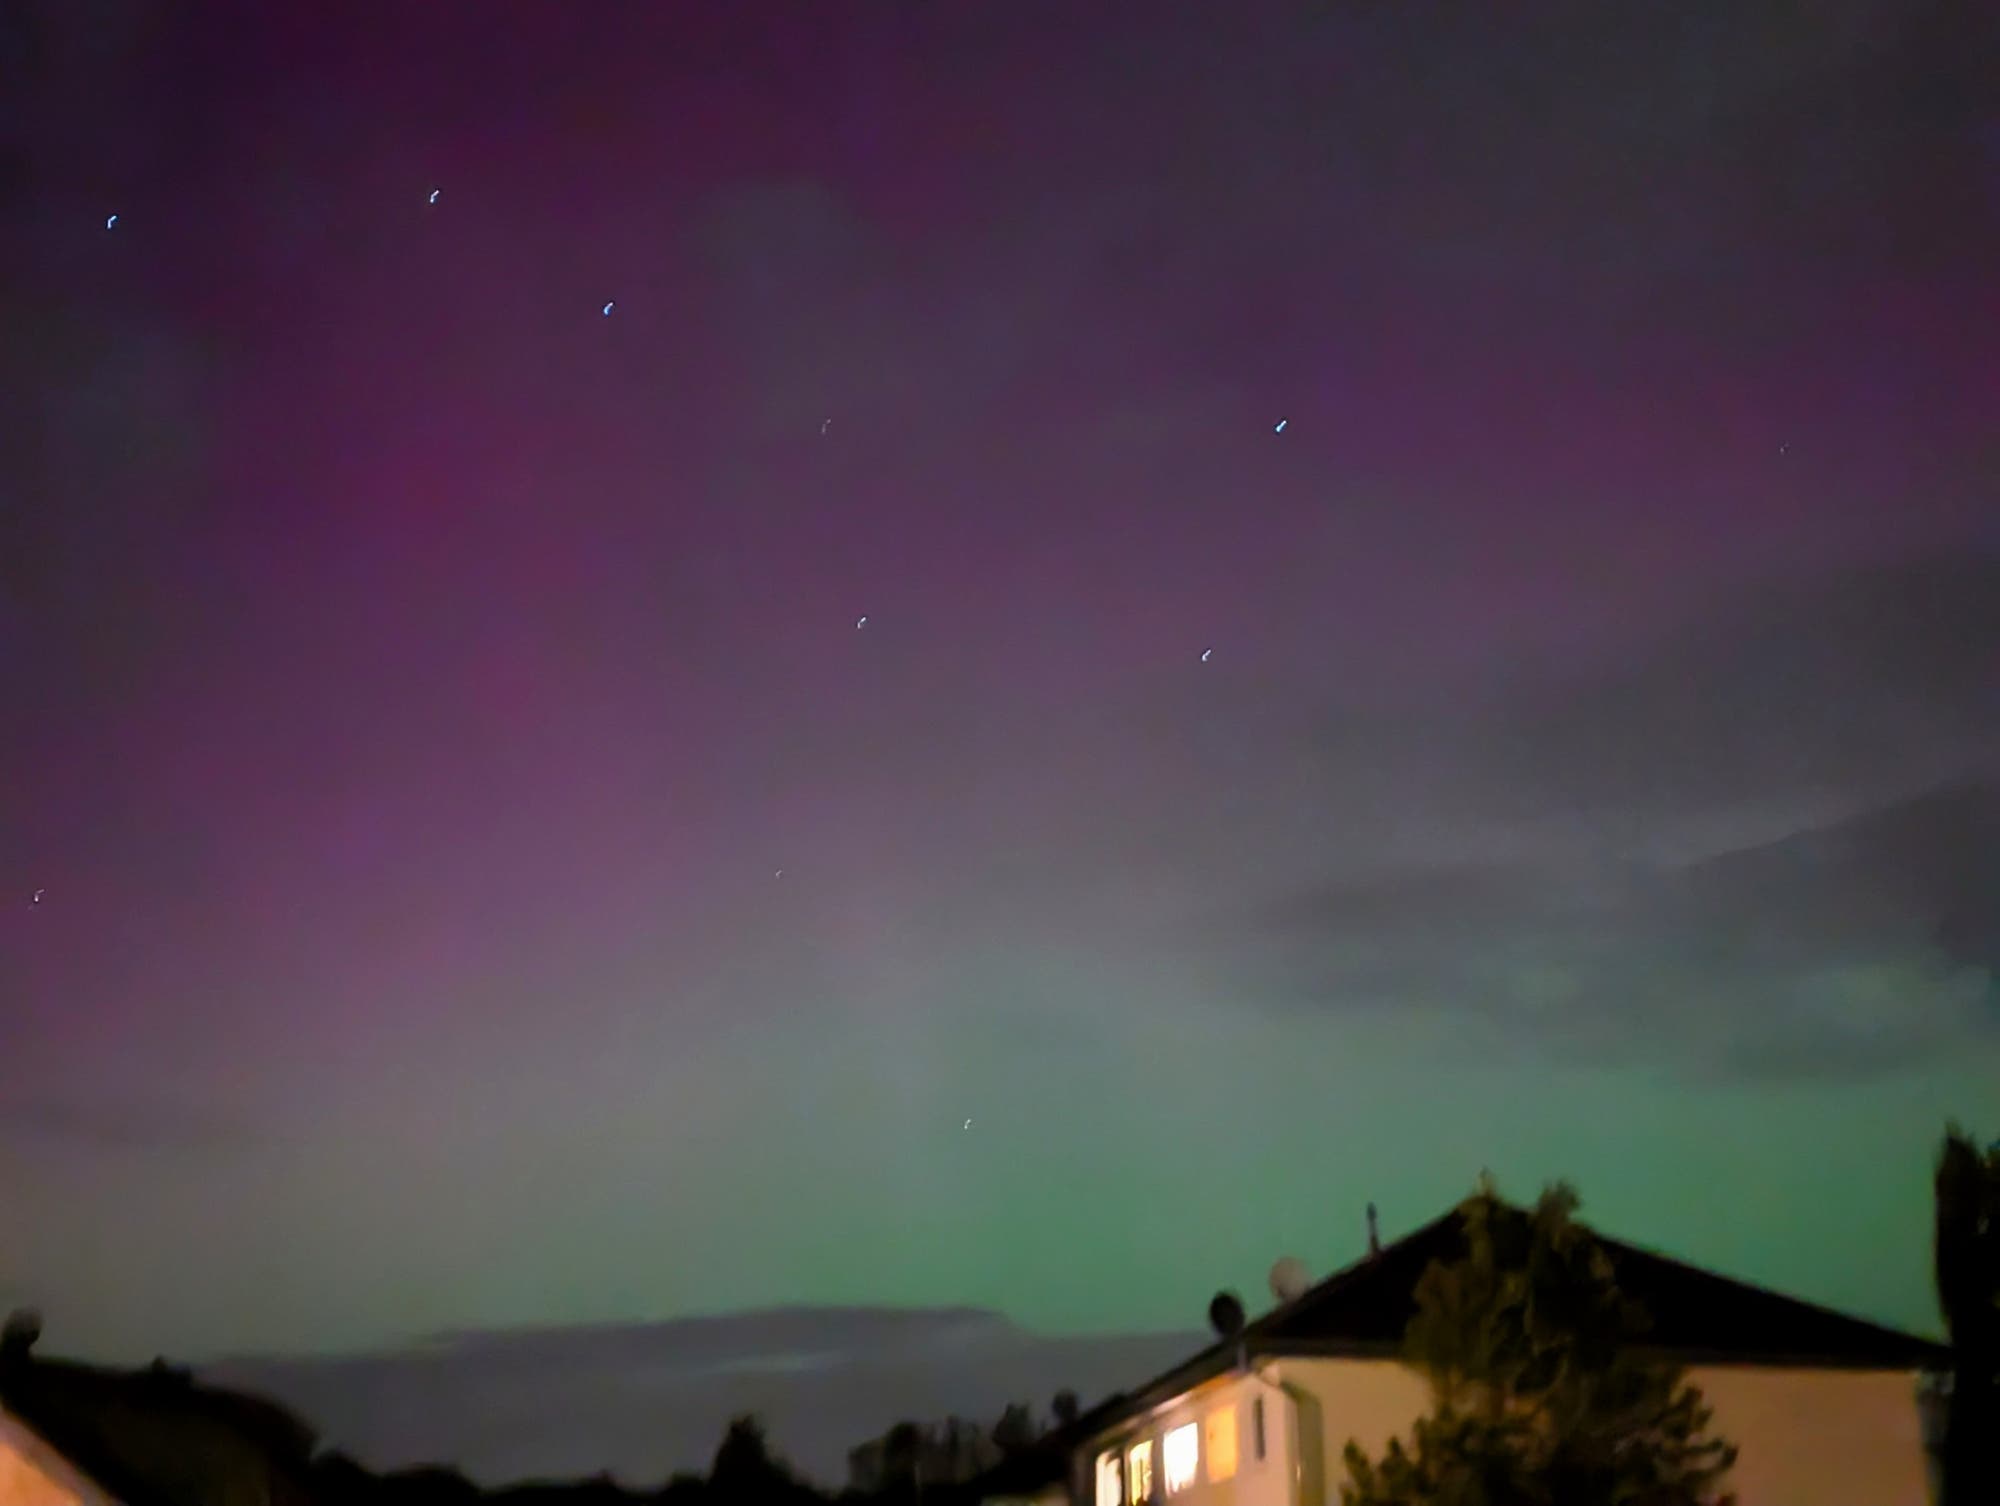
(1257,1427)
(1110,1481)
(1139,1470)
(1181,1455)
(1221,1430)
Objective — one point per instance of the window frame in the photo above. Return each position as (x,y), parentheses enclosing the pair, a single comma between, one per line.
(1141,1449)
(1111,1471)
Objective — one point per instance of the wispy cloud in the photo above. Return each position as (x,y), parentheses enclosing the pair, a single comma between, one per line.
(1748,884)
(1856,686)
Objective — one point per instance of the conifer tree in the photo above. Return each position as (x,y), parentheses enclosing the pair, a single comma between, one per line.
(1542,1392)
(746,1468)
(1967,1253)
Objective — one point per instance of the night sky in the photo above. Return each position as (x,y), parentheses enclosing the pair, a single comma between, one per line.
(462,863)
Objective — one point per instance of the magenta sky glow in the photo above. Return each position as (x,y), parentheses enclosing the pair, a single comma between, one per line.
(415,677)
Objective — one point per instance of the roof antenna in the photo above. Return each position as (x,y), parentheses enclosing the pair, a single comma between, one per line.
(1374,1234)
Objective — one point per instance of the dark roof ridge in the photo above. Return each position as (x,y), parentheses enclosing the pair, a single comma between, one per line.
(1271,1333)
(1617,1248)
(1769,1293)
(161,1377)
(1350,1274)
(95,1464)
(1628,1259)
(60,1401)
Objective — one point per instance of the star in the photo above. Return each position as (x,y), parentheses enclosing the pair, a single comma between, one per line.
(1205,653)
(434,194)
(823,424)
(38,896)
(968,1124)
(860,623)
(111,222)
(609,307)
(1281,426)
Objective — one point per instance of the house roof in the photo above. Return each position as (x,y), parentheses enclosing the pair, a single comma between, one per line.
(146,1437)
(1697,1317)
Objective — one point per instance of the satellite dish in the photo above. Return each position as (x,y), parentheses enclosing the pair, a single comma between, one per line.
(1290,1279)
(1225,1315)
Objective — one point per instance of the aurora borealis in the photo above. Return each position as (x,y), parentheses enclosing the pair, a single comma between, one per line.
(1359,511)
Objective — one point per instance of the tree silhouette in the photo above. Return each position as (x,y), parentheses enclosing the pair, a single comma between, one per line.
(902,1455)
(682,1490)
(1016,1431)
(425,1483)
(1540,1397)
(1966,1256)
(745,1468)
(1066,1407)
(21,1332)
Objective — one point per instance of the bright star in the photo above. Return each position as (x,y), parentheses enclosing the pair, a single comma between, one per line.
(1205,653)
(111,222)
(609,307)
(434,194)
(860,623)
(1281,426)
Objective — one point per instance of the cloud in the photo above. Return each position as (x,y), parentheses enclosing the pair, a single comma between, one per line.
(1709,860)
(1857,687)
(643,1400)
(1770,847)
(1860,949)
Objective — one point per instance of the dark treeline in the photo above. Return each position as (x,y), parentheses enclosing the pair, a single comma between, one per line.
(937,1465)
(165,1437)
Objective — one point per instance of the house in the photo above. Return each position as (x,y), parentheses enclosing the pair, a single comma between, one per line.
(80,1435)
(1824,1408)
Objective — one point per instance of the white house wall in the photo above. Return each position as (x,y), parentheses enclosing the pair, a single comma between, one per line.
(1820,1437)
(1379,1401)
(1804,1437)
